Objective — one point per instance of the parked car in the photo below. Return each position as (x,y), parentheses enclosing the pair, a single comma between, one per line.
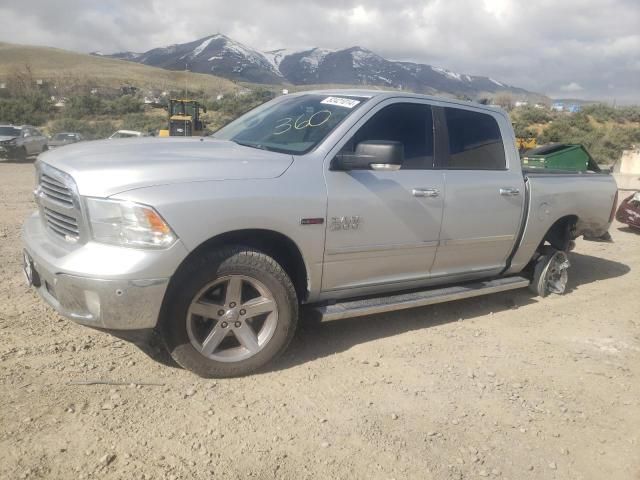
(349,202)
(20,142)
(65,138)
(629,211)
(126,134)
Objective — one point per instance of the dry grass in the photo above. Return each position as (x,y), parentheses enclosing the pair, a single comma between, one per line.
(62,67)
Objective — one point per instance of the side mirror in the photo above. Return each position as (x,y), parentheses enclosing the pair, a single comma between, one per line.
(371,155)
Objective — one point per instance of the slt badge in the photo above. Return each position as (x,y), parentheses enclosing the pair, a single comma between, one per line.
(345,223)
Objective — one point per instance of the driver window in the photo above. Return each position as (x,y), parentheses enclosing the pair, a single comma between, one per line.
(408,123)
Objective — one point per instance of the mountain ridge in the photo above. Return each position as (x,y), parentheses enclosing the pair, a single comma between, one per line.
(220,55)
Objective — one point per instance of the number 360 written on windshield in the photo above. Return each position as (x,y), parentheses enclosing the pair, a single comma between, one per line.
(285,124)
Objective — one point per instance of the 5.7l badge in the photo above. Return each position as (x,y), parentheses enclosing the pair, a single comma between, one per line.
(345,223)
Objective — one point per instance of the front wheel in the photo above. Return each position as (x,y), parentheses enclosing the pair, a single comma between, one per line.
(229,313)
(20,154)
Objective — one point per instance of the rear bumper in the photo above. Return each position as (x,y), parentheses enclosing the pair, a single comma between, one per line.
(128,296)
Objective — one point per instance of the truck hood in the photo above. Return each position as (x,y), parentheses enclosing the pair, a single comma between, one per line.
(107,167)
(4,138)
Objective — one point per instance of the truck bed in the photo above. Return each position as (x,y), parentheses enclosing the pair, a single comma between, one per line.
(556,195)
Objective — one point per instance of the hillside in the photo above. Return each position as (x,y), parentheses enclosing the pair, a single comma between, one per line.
(220,55)
(63,68)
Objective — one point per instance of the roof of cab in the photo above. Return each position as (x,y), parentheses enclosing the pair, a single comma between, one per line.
(382,94)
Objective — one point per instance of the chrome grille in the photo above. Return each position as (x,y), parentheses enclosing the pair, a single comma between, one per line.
(58,200)
(61,224)
(56,190)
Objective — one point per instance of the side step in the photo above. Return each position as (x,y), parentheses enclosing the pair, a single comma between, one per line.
(370,306)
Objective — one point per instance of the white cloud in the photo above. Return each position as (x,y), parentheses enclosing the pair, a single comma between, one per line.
(542,45)
(572,87)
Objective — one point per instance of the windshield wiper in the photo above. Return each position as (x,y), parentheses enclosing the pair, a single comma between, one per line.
(252,145)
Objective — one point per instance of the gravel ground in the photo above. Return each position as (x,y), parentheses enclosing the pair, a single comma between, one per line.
(507,386)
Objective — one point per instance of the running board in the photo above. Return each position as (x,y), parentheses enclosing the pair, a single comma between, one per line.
(371,306)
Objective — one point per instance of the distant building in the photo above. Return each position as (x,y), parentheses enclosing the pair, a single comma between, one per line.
(574,108)
(557,107)
(521,103)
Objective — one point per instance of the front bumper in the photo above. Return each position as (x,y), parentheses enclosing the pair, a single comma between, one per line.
(128,294)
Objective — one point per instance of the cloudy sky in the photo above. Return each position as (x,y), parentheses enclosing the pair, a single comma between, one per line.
(564,48)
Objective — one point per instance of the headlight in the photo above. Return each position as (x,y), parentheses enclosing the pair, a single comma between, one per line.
(128,224)
(636,197)
(10,143)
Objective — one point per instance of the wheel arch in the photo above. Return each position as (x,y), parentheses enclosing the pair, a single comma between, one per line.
(561,233)
(270,242)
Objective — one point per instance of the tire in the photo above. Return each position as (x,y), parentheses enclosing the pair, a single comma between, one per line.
(198,313)
(20,154)
(550,273)
(44,148)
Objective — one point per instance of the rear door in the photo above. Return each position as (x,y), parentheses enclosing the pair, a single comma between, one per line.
(383,226)
(484,198)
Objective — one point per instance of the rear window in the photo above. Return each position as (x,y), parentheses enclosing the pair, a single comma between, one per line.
(475,142)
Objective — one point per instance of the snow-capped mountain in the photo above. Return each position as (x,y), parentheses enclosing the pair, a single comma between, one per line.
(222,56)
(216,55)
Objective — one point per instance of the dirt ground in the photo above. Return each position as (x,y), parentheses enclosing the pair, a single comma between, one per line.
(507,386)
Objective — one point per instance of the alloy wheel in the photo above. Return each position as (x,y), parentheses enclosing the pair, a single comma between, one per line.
(232,318)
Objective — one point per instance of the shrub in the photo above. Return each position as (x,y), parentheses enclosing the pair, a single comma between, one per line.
(605,143)
(143,123)
(530,115)
(124,105)
(90,129)
(31,107)
(84,105)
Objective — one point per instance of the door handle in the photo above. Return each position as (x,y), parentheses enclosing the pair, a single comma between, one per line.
(425,192)
(509,192)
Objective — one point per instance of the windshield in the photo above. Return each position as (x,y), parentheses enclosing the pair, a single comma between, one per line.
(9,132)
(294,124)
(64,136)
(182,108)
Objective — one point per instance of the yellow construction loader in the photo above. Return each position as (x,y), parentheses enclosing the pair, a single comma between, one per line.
(184,119)
(526,143)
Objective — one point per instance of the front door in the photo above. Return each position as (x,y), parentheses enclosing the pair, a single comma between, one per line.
(484,198)
(383,226)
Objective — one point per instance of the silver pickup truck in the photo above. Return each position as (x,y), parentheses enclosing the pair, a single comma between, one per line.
(348,202)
